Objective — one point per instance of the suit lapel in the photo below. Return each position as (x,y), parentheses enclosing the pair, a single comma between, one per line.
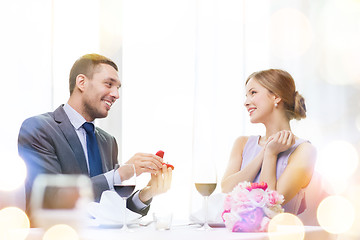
(68,130)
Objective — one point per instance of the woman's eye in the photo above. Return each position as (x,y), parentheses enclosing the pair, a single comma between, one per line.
(253,92)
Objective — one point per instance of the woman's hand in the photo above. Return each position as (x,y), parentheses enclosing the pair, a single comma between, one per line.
(279,142)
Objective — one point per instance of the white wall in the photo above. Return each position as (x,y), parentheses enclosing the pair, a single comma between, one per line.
(183,68)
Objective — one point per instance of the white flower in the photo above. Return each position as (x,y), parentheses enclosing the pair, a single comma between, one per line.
(258,197)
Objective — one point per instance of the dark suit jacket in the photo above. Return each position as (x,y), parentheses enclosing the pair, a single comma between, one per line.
(49,144)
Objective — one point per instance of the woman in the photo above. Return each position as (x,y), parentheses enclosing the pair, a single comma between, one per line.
(282,160)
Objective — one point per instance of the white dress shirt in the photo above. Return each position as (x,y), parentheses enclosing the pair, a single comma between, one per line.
(77,121)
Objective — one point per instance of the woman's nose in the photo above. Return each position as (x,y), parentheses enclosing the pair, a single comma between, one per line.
(246,102)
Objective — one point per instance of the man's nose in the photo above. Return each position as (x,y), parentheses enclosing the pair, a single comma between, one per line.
(115,93)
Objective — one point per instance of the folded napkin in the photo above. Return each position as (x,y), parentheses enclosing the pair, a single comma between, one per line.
(215,209)
(110,210)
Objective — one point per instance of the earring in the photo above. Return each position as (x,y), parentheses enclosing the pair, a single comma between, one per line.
(276,104)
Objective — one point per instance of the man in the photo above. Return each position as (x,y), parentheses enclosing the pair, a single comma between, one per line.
(57,142)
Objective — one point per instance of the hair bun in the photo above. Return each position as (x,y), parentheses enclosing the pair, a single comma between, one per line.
(299,106)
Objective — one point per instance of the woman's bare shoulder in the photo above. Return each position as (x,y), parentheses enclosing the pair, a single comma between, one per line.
(242,139)
(307,147)
(239,145)
(306,151)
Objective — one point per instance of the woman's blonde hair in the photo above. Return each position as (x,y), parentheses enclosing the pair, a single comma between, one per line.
(281,83)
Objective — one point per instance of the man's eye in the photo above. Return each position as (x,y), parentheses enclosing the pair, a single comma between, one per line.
(108,84)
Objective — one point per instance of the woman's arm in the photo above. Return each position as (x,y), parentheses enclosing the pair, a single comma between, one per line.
(233,174)
(297,173)
(277,143)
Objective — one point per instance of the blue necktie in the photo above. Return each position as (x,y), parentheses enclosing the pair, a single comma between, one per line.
(95,165)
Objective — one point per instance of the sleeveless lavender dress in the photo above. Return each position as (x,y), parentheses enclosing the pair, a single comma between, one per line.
(297,204)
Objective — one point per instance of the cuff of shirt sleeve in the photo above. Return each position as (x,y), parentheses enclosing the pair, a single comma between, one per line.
(110,178)
(138,203)
(135,199)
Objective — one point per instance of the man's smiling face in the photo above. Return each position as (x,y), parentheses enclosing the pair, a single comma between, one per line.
(100,92)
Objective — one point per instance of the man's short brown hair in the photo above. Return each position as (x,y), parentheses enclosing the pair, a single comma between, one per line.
(86,65)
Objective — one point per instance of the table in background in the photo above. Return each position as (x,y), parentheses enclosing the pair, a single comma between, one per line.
(178,233)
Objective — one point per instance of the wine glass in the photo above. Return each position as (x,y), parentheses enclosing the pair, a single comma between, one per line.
(205,180)
(127,185)
(60,199)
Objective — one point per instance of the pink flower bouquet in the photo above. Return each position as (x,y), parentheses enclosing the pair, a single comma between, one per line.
(250,206)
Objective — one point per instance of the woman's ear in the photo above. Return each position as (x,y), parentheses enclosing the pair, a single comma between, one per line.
(80,82)
(277,100)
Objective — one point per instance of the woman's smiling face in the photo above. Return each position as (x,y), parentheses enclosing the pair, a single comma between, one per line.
(259,101)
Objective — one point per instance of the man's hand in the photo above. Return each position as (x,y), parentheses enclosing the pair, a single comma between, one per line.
(146,162)
(158,184)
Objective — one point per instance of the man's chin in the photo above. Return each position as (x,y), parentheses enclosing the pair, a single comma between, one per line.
(102,115)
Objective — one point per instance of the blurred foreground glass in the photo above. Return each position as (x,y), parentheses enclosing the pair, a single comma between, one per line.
(60,199)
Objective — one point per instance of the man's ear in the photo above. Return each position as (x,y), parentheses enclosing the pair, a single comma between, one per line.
(80,82)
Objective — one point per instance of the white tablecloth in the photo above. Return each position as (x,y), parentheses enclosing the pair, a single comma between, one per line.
(178,233)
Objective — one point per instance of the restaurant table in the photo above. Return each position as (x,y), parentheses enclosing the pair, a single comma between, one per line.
(177,233)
